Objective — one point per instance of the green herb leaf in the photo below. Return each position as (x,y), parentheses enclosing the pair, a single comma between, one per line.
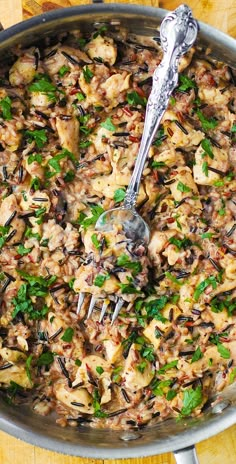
(168,366)
(95,241)
(85,221)
(159,388)
(78,362)
(68,335)
(180,243)
(232,375)
(5,105)
(97,406)
(35,158)
(142,366)
(45,359)
(100,31)
(100,279)
(80,96)
(147,352)
(171,394)
(88,74)
(203,285)
(183,187)
(133,98)
(197,355)
(154,307)
(63,70)
(85,144)
(205,168)
(99,370)
(207,124)
(21,250)
(30,234)
(224,352)
(35,184)
(39,136)
(192,399)
(158,164)
(207,147)
(186,83)
(108,124)
(42,85)
(69,176)
(124,261)
(128,289)
(28,367)
(207,235)
(119,195)
(160,136)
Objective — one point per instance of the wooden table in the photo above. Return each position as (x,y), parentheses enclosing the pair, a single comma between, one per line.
(221,448)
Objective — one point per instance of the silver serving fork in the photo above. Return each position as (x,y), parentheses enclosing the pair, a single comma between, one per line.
(178,33)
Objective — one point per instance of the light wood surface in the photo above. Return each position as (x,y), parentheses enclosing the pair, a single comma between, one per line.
(220,449)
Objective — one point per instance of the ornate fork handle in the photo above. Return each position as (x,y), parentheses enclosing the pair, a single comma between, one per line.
(178,33)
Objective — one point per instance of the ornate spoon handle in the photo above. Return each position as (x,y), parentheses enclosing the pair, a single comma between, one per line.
(178,33)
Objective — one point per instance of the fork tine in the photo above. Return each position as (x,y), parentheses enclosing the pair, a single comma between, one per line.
(80,302)
(91,306)
(117,309)
(103,310)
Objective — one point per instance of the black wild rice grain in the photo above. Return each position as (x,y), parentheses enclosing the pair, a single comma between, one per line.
(10,219)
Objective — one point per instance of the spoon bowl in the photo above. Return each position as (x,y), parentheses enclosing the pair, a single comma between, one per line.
(128,220)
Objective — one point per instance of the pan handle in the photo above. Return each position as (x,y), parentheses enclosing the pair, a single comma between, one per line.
(186,456)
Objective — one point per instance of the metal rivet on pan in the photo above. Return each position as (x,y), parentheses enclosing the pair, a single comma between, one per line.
(219,407)
(128,436)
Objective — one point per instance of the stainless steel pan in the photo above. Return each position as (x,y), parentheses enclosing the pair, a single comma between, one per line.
(169,435)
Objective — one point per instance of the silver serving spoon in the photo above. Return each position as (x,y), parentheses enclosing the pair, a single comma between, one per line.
(178,33)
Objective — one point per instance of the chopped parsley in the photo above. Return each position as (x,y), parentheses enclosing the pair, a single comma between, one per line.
(124,261)
(203,285)
(154,307)
(158,164)
(55,162)
(21,250)
(5,105)
(191,399)
(68,335)
(183,187)
(129,288)
(28,367)
(108,124)
(168,366)
(207,124)
(44,85)
(160,136)
(205,168)
(97,406)
(197,355)
(142,366)
(45,359)
(35,158)
(171,394)
(100,31)
(99,370)
(232,375)
(217,305)
(180,243)
(223,351)
(35,286)
(160,387)
(207,235)
(133,98)
(35,184)
(119,195)
(39,136)
(88,74)
(63,70)
(4,230)
(80,96)
(207,147)
(86,221)
(186,83)
(100,279)
(69,176)
(95,241)
(85,144)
